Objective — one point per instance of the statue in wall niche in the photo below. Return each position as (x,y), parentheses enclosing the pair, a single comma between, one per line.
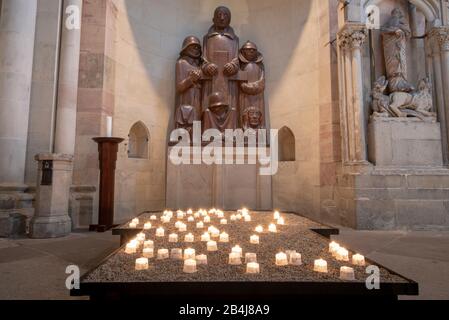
(393,95)
(188,85)
(395,34)
(252,92)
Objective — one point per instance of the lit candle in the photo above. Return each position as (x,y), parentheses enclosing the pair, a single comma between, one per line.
(295,259)
(109,126)
(252,268)
(148,252)
(189,238)
(205,237)
(276,215)
(153,217)
(281,259)
(220,214)
(147,226)
(214,232)
(131,247)
(148,244)
(358,260)
(165,219)
(320,265)
(237,250)
(141,237)
(342,254)
(196,215)
(182,228)
(200,225)
(142,264)
(281,221)
(190,219)
(259,229)
(224,237)
(160,232)
(233,217)
(239,216)
(189,253)
(250,257)
(235,259)
(178,224)
(347,274)
(223,221)
(272,228)
(201,259)
(169,214)
(163,254)
(248,218)
(173,238)
(189,266)
(176,254)
(206,219)
(132,225)
(254,239)
(333,248)
(212,246)
(135,220)
(180,215)
(190,212)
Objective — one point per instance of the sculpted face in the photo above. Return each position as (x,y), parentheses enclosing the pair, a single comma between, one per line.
(250,54)
(254,118)
(222,18)
(193,51)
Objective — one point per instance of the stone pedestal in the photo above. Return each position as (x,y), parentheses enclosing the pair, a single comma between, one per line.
(405,142)
(51,219)
(227,187)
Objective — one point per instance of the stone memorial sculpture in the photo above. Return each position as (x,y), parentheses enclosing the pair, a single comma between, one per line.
(252,118)
(219,114)
(393,95)
(188,85)
(252,92)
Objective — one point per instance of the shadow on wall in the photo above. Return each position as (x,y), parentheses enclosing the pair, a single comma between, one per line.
(159,27)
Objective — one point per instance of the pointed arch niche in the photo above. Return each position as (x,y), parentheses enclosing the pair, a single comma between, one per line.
(139,140)
(287,145)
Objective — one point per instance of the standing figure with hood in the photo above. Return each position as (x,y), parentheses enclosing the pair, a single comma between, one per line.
(252,92)
(188,85)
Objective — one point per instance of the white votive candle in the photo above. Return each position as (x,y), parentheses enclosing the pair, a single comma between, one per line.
(173,238)
(220,214)
(142,264)
(237,249)
(215,233)
(252,268)
(254,239)
(342,254)
(153,217)
(281,221)
(320,265)
(176,254)
(248,218)
(235,259)
(281,259)
(147,226)
(276,215)
(224,237)
(148,252)
(206,219)
(189,266)
(189,253)
(182,227)
(190,219)
(223,221)
(201,259)
(239,217)
(259,229)
(189,212)
(189,238)
(205,237)
(165,219)
(295,259)
(160,232)
(250,257)
(132,225)
(180,215)
(135,220)
(272,228)
(358,260)
(163,254)
(212,246)
(200,225)
(347,274)
(148,244)
(233,217)
(131,247)
(196,215)
(333,247)
(141,237)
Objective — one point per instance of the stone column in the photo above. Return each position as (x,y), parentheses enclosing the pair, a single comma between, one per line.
(17,28)
(351,38)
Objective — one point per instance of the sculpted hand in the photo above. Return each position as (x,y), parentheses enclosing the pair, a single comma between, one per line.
(211,70)
(230,69)
(195,75)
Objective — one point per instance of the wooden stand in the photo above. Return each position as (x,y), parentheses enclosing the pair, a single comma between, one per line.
(107,148)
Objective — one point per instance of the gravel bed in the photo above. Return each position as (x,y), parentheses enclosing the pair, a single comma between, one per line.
(295,235)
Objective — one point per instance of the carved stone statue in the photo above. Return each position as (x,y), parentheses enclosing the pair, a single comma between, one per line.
(221,64)
(395,34)
(219,115)
(252,92)
(252,118)
(188,86)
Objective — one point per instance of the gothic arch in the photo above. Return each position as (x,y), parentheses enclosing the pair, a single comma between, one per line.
(430,8)
(287,145)
(139,139)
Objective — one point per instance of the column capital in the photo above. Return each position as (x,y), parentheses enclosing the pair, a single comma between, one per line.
(440,37)
(352,35)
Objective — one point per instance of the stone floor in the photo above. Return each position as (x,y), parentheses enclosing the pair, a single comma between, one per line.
(35,269)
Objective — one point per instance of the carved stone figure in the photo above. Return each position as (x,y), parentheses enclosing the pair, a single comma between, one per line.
(252,118)
(395,34)
(381,102)
(188,86)
(219,115)
(252,92)
(221,64)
